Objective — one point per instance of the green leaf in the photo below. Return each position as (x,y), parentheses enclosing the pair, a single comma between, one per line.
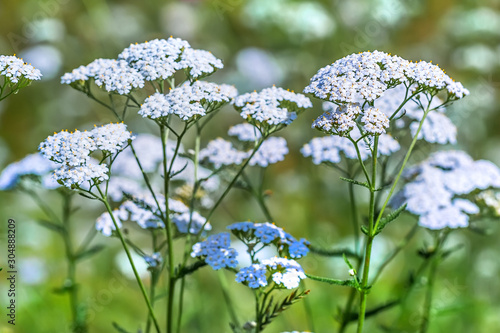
(271,312)
(181,272)
(389,218)
(347,262)
(344,283)
(364,230)
(51,226)
(86,196)
(364,184)
(90,252)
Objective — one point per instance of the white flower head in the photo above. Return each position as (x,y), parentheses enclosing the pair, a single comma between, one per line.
(271,106)
(72,150)
(15,70)
(366,76)
(155,59)
(199,63)
(374,121)
(110,74)
(188,101)
(337,120)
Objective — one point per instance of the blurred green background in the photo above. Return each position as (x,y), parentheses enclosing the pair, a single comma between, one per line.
(262,42)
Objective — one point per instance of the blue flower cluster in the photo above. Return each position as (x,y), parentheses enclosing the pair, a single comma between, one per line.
(268,233)
(216,252)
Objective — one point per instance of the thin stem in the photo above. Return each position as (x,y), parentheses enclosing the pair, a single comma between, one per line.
(428,296)
(258,195)
(435,259)
(360,160)
(187,245)
(369,239)
(354,214)
(154,280)
(131,261)
(71,269)
(169,235)
(407,157)
(352,293)
(233,181)
(146,180)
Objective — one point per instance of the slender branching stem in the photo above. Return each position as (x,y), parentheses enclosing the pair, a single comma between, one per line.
(104,200)
(407,157)
(369,239)
(169,233)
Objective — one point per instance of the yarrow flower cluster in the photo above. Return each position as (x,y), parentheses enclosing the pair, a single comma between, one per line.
(285,273)
(188,101)
(155,59)
(72,151)
(338,120)
(342,119)
(161,58)
(31,165)
(437,189)
(110,74)
(216,251)
(271,106)
(199,63)
(149,61)
(15,71)
(366,76)
(268,233)
(374,121)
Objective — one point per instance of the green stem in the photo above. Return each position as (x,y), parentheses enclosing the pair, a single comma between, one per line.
(407,157)
(428,295)
(259,196)
(168,228)
(352,293)
(369,239)
(188,245)
(154,280)
(435,259)
(233,181)
(131,261)
(71,269)
(354,213)
(360,160)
